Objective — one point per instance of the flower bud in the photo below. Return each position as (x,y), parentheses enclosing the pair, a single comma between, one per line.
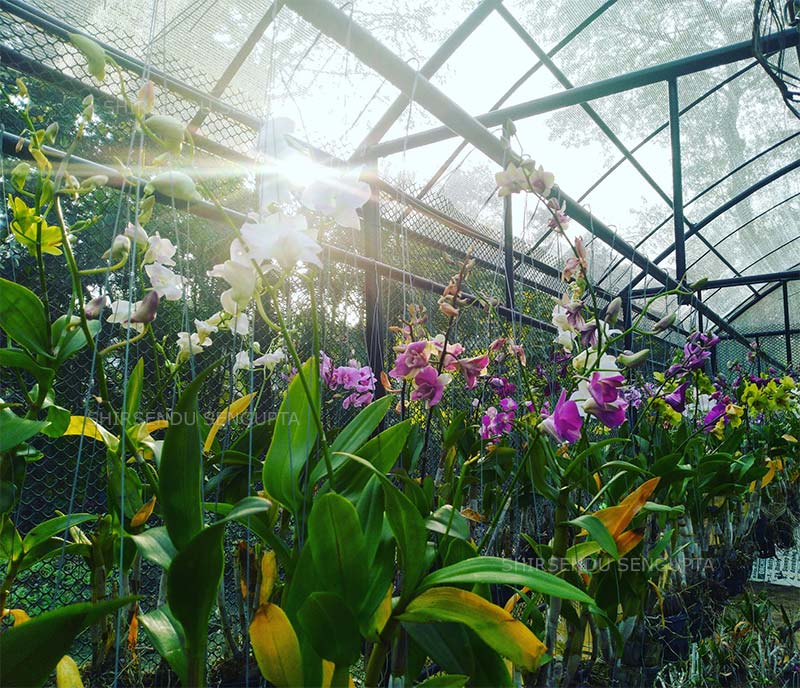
(137,234)
(19,174)
(94,54)
(633,360)
(175,185)
(169,131)
(146,312)
(51,132)
(94,182)
(146,210)
(447,309)
(665,323)
(145,99)
(94,308)
(613,311)
(120,248)
(697,286)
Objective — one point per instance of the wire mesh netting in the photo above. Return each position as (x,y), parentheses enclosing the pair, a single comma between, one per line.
(431,219)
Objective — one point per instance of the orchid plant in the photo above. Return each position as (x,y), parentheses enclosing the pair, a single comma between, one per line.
(372,547)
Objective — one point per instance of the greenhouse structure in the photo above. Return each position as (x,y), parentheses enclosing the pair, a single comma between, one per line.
(350,343)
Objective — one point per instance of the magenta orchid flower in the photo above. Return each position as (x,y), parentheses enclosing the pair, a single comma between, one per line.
(565,423)
(473,368)
(411,359)
(429,385)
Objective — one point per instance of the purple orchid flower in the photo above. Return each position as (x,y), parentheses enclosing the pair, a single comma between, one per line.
(411,359)
(429,385)
(564,424)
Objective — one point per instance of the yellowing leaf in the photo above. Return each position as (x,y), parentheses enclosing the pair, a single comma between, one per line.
(20,616)
(235,409)
(141,516)
(773,465)
(276,647)
(790,438)
(269,572)
(495,626)
(381,615)
(67,674)
(627,541)
(81,425)
(154,425)
(617,518)
(327,675)
(516,597)
(473,515)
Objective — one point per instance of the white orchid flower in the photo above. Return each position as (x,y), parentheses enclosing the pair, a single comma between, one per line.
(168,285)
(189,345)
(242,279)
(340,197)
(283,238)
(270,360)
(121,312)
(159,251)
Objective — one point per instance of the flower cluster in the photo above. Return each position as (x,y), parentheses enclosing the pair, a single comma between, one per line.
(429,364)
(354,378)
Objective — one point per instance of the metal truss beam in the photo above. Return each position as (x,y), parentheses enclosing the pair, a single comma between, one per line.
(431,66)
(599,89)
(350,35)
(83,168)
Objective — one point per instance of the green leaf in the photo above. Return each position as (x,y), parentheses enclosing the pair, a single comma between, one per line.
(495,626)
(381,451)
(15,430)
(598,532)
(293,438)
(358,430)
(192,583)
(446,520)
(57,421)
(407,526)
(133,393)
(23,318)
(10,540)
(331,628)
(29,652)
(181,468)
(154,545)
(70,340)
(54,526)
(16,358)
(457,649)
(166,635)
(337,548)
(495,570)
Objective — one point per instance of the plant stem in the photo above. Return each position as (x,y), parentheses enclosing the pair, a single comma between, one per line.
(560,541)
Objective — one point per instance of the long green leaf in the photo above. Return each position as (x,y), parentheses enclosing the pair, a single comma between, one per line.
(331,628)
(181,468)
(293,438)
(495,626)
(29,652)
(495,570)
(406,524)
(154,545)
(192,582)
(67,341)
(23,319)
(598,532)
(166,635)
(54,526)
(16,358)
(15,430)
(381,451)
(133,393)
(337,548)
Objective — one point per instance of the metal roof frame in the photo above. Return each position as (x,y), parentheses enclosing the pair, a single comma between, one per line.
(414,85)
